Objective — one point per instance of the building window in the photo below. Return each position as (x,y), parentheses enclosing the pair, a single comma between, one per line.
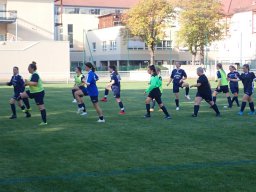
(104,46)
(71,10)
(95,11)
(70,35)
(112,45)
(94,46)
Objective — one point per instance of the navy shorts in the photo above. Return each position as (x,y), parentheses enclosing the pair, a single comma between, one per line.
(223,89)
(234,89)
(116,91)
(16,96)
(206,96)
(38,97)
(156,94)
(94,99)
(248,92)
(176,87)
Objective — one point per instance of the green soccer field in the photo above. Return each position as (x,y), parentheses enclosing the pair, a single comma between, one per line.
(127,153)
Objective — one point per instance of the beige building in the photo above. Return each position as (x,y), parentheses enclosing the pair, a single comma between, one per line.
(27,34)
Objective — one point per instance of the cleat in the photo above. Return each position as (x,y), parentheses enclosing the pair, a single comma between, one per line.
(152,110)
(13,117)
(28,109)
(83,114)
(101,121)
(74,101)
(187,97)
(80,110)
(42,124)
(104,99)
(251,113)
(147,116)
(218,115)
(194,115)
(122,113)
(177,108)
(160,110)
(240,113)
(167,117)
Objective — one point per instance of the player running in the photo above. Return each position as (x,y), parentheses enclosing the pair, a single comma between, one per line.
(158,71)
(247,79)
(203,92)
(222,86)
(19,86)
(78,82)
(36,91)
(91,90)
(178,78)
(154,92)
(234,88)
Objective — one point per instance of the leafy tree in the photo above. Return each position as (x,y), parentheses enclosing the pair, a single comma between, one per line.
(148,20)
(200,25)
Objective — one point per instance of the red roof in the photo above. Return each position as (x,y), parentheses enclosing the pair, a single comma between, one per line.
(100,3)
(233,6)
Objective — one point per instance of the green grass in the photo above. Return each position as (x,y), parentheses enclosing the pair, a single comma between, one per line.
(127,153)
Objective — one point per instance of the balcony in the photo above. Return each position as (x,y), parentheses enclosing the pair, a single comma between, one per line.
(8,16)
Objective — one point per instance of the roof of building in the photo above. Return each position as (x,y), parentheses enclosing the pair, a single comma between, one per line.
(234,6)
(100,3)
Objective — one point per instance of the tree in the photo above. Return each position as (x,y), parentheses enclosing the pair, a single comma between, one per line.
(147,20)
(200,25)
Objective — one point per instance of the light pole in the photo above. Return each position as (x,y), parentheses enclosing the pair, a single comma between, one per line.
(172,26)
(241,48)
(84,52)
(206,51)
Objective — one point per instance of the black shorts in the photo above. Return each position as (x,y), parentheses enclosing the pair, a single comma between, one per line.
(176,88)
(234,89)
(38,97)
(248,92)
(223,89)
(206,96)
(156,94)
(94,99)
(16,96)
(116,91)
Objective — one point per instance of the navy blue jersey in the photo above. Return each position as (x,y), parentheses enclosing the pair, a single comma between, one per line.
(92,88)
(18,84)
(247,80)
(177,75)
(116,78)
(205,87)
(233,75)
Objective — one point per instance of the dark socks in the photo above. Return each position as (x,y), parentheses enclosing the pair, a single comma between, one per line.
(187,90)
(121,105)
(73,93)
(165,111)
(196,109)
(177,102)
(13,109)
(251,106)
(215,108)
(148,109)
(83,105)
(43,115)
(22,107)
(214,99)
(106,92)
(237,102)
(26,102)
(101,117)
(153,104)
(243,106)
(229,102)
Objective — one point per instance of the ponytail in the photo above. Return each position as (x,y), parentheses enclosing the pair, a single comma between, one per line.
(153,68)
(90,65)
(33,65)
(113,67)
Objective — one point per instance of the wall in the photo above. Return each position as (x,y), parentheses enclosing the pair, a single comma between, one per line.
(52,59)
(35,19)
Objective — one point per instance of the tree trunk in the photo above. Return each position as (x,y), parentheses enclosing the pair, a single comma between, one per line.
(202,55)
(152,56)
(194,59)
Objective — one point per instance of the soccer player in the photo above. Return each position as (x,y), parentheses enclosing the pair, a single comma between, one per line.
(115,86)
(78,82)
(178,78)
(234,88)
(203,92)
(19,86)
(36,91)
(91,91)
(154,92)
(222,85)
(247,79)
(158,71)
